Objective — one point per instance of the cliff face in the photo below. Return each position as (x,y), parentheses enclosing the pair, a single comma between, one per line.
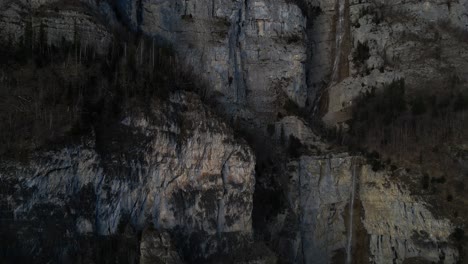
(349,210)
(423,43)
(238,46)
(175,167)
(343,211)
(170,183)
(257,54)
(251,52)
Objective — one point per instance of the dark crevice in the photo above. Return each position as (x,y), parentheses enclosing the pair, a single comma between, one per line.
(139,14)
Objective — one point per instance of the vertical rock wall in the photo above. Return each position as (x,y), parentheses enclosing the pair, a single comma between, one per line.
(176,168)
(251,52)
(389,224)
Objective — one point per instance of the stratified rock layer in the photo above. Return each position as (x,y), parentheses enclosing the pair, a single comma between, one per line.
(175,167)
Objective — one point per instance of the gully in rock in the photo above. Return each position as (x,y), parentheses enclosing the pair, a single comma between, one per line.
(351,215)
(340,32)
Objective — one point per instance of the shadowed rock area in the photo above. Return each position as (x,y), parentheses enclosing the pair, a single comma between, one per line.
(233,131)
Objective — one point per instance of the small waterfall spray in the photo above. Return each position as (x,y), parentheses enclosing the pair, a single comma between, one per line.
(351,214)
(340,32)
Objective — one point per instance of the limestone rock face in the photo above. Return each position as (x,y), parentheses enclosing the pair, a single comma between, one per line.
(251,52)
(175,167)
(388,224)
(422,42)
(176,175)
(254,52)
(400,225)
(292,126)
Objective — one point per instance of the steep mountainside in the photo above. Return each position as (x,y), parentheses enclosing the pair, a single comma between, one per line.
(229,131)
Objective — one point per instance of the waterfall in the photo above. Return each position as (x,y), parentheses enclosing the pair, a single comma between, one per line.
(340,32)
(351,214)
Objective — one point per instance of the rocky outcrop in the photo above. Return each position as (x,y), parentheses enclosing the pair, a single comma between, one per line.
(342,208)
(423,43)
(292,126)
(348,211)
(400,225)
(175,167)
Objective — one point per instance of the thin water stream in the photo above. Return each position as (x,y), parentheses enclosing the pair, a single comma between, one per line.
(351,215)
(340,33)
